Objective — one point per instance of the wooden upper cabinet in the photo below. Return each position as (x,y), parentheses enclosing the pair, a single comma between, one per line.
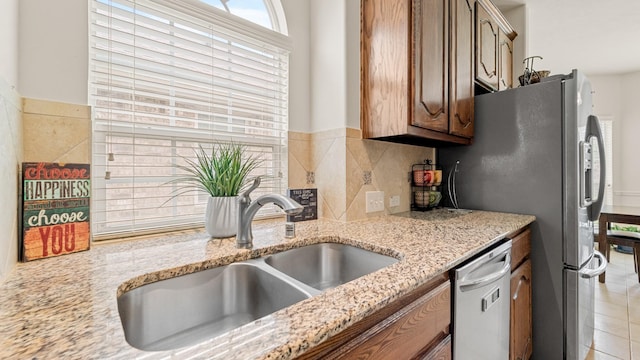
(506,61)
(420,62)
(417,71)
(431,67)
(493,48)
(384,57)
(486,48)
(461,84)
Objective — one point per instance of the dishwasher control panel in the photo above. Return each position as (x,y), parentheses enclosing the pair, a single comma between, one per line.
(490,299)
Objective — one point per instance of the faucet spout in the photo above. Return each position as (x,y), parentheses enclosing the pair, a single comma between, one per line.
(247,211)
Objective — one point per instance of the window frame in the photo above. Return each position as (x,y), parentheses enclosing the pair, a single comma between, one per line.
(201,12)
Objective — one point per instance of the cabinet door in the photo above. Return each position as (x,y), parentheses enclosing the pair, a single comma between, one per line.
(506,61)
(520,248)
(461,83)
(486,48)
(407,333)
(385,57)
(520,328)
(441,352)
(431,64)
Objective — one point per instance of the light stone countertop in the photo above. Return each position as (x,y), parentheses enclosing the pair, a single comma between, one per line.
(66,308)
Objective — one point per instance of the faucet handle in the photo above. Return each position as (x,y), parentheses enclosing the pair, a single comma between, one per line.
(254,186)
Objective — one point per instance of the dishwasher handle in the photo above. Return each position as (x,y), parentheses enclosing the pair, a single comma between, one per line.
(480,282)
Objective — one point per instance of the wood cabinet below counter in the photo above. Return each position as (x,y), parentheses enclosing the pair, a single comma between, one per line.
(520,346)
(415,326)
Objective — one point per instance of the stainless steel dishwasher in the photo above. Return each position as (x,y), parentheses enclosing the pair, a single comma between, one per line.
(481,306)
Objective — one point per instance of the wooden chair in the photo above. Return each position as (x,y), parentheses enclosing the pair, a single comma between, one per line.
(624,238)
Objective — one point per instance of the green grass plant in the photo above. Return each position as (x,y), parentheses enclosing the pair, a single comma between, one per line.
(223,171)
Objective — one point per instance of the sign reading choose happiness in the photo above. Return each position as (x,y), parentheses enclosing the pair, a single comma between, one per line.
(55,205)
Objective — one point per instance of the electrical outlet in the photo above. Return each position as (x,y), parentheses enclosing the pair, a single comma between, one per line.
(394,201)
(375,201)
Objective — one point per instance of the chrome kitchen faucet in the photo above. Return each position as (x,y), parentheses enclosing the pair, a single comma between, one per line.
(247,210)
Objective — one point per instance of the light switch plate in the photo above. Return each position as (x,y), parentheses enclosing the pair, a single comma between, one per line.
(375,201)
(394,201)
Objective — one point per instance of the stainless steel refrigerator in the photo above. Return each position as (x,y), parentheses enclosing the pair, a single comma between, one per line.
(538,150)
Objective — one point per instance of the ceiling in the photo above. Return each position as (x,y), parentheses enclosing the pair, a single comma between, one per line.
(596,36)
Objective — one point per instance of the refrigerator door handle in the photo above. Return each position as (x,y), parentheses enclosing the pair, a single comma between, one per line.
(591,273)
(593,129)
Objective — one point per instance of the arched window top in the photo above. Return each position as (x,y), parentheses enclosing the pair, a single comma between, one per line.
(266,13)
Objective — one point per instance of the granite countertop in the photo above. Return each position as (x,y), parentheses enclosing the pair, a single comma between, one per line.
(66,307)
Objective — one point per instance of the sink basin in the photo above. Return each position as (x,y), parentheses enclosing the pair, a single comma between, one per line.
(327,265)
(189,309)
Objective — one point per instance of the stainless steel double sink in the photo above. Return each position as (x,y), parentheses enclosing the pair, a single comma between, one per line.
(188,309)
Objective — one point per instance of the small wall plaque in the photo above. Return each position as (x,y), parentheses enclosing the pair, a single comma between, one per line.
(55,209)
(308,198)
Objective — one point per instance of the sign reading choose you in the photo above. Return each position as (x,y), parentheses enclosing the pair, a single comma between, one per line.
(55,209)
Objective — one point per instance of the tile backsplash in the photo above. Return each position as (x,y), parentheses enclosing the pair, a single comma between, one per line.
(345,167)
(339,163)
(56,132)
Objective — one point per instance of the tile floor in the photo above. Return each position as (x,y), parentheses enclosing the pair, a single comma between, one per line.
(617,318)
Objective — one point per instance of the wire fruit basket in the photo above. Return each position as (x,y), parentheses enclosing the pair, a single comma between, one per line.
(426,180)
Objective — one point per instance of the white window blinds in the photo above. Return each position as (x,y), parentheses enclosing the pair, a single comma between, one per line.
(165,78)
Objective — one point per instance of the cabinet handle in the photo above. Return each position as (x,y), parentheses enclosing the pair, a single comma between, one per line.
(515,294)
(524,352)
(465,124)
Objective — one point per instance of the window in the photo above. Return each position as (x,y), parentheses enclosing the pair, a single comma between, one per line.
(167,77)
(260,12)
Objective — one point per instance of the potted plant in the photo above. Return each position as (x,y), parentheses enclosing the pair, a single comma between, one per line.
(222,173)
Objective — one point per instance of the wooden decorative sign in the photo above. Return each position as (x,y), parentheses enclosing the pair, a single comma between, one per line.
(308,198)
(55,209)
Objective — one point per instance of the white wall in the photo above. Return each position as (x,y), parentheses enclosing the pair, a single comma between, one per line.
(518,18)
(297,14)
(353,63)
(617,96)
(628,192)
(54,50)
(335,64)
(9,41)
(10,136)
(328,64)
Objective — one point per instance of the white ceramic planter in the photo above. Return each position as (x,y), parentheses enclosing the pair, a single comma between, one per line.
(221,218)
